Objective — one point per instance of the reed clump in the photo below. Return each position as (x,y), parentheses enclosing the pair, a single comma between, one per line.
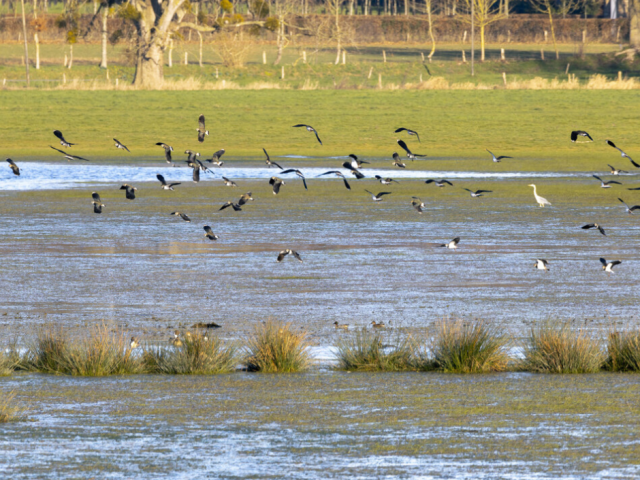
(8,362)
(365,351)
(9,411)
(623,352)
(561,349)
(275,348)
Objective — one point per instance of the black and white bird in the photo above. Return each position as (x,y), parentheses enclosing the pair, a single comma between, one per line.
(410,155)
(167,152)
(385,181)
(269,162)
(309,129)
(96,202)
(494,158)
(397,162)
(208,233)
(164,185)
(629,209)
(286,252)
(63,142)
(245,198)
(120,145)
(130,192)
(183,216)
(378,197)
(604,184)
(13,166)
(354,171)
(579,133)
(615,171)
(356,162)
(338,174)
(276,183)
(438,183)
(192,156)
(622,154)
(418,204)
(215,158)
(594,225)
(410,132)
(235,206)
(298,173)
(541,264)
(68,156)
(452,245)
(608,266)
(477,193)
(202,131)
(229,183)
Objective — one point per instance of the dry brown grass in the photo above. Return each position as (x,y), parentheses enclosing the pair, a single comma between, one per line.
(623,351)
(9,411)
(275,348)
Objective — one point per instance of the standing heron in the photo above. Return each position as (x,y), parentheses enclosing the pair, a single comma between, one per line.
(202,131)
(541,200)
(309,129)
(13,166)
(97,203)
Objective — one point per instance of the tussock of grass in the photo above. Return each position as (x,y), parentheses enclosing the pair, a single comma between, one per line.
(8,363)
(561,349)
(197,355)
(623,352)
(275,347)
(463,347)
(365,351)
(9,412)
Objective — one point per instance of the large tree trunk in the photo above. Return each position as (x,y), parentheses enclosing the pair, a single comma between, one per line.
(149,67)
(105,13)
(35,35)
(482,42)
(634,23)
(280,41)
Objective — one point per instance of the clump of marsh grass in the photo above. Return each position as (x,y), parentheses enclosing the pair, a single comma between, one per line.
(465,347)
(623,352)
(365,351)
(9,412)
(197,354)
(275,348)
(8,362)
(561,349)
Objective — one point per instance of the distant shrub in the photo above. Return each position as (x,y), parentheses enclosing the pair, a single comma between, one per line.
(275,347)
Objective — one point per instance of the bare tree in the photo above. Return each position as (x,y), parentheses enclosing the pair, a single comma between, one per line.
(551,8)
(428,9)
(485,13)
(104,34)
(281,9)
(634,25)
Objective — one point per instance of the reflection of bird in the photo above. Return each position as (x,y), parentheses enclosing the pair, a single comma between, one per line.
(452,245)
(541,200)
(68,156)
(494,158)
(309,129)
(130,192)
(209,233)
(355,162)
(340,326)
(286,252)
(378,197)
(164,184)
(269,162)
(410,155)
(477,193)
(604,184)
(417,204)
(97,203)
(438,183)
(229,183)
(608,266)
(13,166)
(594,225)
(120,145)
(397,162)
(616,171)
(541,264)
(410,132)
(385,181)
(354,171)
(63,142)
(338,174)
(235,206)
(630,210)
(622,154)
(202,131)
(579,133)
(298,173)
(276,183)
(183,216)
(167,151)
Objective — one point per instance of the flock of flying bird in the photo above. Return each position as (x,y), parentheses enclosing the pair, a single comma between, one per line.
(353,166)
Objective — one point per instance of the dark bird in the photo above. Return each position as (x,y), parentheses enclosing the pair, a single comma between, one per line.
(163,183)
(235,206)
(417,204)
(594,225)
(608,266)
(68,156)
(630,210)
(196,173)
(354,171)
(622,154)
(276,183)
(410,132)
(579,133)
(286,252)
(120,145)
(615,171)
(215,158)
(438,183)
(209,233)
(269,162)
(541,264)
(355,162)
(452,245)
(385,181)
(397,162)
(410,155)
(202,131)
(496,159)
(167,152)
(130,192)
(309,129)
(245,198)
(182,216)
(229,183)
(192,156)
(63,142)
(604,184)
(97,203)
(338,174)
(477,193)
(13,166)
(378,197)
(298,173)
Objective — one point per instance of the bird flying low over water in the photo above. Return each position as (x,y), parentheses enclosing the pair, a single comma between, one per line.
(622,154)
(604,184)
(477,193)
(410,132)
(378,197)
(202,131)
(229,183)
(96,202)
(164,185)
(541,200)
(276,183)
(63,142)
(541,264)
(183,216)
(338,174)
(215,158)
(397,162)
(616,171)
(594,225)
(130,192)
(13,166)
(494,158)
(385,181)
(355,162)
(354,171)
(286,252)
(630,210)
(579,133)
(68,156)
(417,204)
(410,155)
(438,183)
(268,160)
(120,145)
(608,266)
(309,129)
(167,151)
(208,233)
(298,173)
(452,245)
(235,206)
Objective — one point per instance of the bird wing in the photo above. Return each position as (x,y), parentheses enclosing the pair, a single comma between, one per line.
(174,184)
(614,182)
(611,144)
(403,146)
(200,136)
(401,129)
(201,124)
(276,186)
(265,152)
(615,262)
(304,182)
(167,155)
(503,156)
(96,197)
(218,154)
(97,208)
(196,174)
(346,184)
(297,255)
(58,134)
(429,181)
(601,230)
(447,181)
(587,135)
(382,194)
(633,188)
(320,141)
(574,136)
(417,136)
(635,207)
(300,125)
(587,227)
(329,173)
(185,217)
(597,177)
(603,262)
(207,229)
(484,191)
(161,178)
(228,204)
(632,162)
(288,170)
(284,253)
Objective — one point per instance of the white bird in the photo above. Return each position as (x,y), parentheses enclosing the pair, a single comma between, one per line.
(541,200)
(452,245)
(542,264)
(608,266)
